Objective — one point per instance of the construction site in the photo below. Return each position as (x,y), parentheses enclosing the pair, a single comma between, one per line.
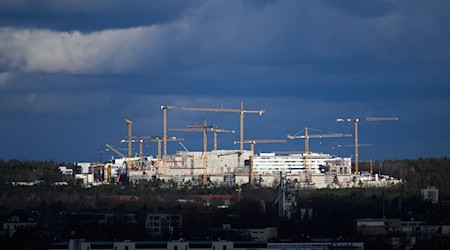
(305,169)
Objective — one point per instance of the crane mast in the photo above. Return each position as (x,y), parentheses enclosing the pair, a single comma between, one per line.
(355,122)
(215,131)
(204,129)
(165,108)
(159,139)
(129,122)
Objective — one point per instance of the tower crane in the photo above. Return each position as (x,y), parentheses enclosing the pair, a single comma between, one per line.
(355,122)
(205,129)
(241,112)
(307,136)
(252,153)
(199,128)
(165,108)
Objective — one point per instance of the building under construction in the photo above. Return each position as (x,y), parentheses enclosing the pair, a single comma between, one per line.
(231,167)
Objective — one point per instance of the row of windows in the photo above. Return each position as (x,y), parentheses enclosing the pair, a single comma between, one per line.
(167,217)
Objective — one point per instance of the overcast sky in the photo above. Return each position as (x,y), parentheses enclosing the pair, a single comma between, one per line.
(72,71)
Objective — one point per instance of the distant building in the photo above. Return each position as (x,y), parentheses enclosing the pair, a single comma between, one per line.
(163,225)
(84,166)
(65,171)
(16,223)
(378,226)
(260,234)
(383,227)
(430,194)
(206,245)
(287,204)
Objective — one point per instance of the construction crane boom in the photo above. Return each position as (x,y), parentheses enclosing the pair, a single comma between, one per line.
(260,141)
(210,129)
(260,112)
(319,136)
(356,121)
(241,112)
(116,151)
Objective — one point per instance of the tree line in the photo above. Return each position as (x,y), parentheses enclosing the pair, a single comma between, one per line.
(417,173)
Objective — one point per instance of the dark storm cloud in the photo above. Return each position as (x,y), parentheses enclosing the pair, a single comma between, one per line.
(84,15)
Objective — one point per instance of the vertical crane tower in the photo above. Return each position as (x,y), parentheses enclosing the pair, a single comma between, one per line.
(241,112)
(205,129)
(355,122)
(197,128)
(159,139)
(215,131)
(129,122)
(165,108)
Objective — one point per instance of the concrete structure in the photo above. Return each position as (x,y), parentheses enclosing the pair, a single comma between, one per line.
(84,166)
(326,169)
(286,198)
(232,167)
(271,163)
(224,166)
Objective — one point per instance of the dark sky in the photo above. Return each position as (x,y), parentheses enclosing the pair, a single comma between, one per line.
(72,71)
